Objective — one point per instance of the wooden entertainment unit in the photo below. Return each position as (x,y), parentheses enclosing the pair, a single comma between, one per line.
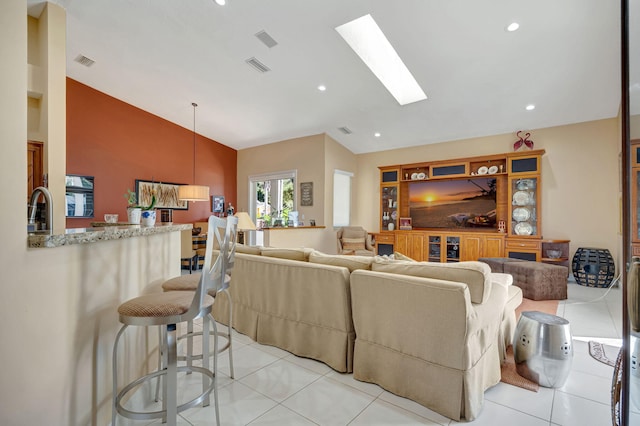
(507,183)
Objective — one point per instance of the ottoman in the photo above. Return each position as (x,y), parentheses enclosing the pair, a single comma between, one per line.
(539,281)
(497,263)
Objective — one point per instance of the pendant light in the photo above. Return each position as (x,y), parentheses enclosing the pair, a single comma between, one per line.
(193,192)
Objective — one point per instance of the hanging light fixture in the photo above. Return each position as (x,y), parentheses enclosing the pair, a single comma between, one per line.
(193,192)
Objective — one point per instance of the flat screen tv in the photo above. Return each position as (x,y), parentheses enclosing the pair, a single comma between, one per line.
(464,203)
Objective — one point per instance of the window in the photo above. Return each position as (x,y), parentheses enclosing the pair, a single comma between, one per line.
(341,198)
(271,197)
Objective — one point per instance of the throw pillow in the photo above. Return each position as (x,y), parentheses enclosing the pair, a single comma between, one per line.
(241,248)
(287,253)
(476,275)
(400,256)
(353,243)
(350,262)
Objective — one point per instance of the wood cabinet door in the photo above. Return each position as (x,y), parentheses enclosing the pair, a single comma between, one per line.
(35,166)
(470,247)
(492,247)
(402,244)
(417,248)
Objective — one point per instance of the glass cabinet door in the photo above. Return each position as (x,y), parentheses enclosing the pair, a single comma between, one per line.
(525,209)
(434,248)
(389,208)
(453,249)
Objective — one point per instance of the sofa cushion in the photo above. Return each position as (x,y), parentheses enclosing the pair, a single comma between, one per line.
(476,275)
(350,262)
(287,253)
(353,244)
(241,248)
(399,256)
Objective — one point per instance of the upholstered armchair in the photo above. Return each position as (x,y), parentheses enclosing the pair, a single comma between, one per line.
(355,240)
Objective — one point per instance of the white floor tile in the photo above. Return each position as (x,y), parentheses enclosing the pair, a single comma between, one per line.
(239,405)
(569,410)
(494,414)
(381,413)
(328,402)
(281,416)
(246,360)
(414,407)
(280,380)
(310,364)
(537,404)
(347,379)
(588,386)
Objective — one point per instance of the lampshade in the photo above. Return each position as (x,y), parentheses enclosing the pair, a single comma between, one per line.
(193,193)
(244,222)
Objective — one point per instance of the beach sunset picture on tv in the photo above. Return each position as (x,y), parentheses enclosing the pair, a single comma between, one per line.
(464,203)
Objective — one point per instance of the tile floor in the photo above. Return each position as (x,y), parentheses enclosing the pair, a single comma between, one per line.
(274,387)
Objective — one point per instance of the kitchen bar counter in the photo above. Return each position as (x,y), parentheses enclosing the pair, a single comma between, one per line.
(93,235)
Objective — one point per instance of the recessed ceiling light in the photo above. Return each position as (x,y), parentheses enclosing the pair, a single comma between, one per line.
(513,26)
(366,38)
(322,88)
(530,107)
(221,2)
(376,134)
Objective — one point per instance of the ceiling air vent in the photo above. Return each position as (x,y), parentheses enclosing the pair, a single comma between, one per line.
(345,130)
(266,39)
(83,60)
(258,65)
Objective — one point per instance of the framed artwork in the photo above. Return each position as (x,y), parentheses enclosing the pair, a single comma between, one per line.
(217,203)
(306,193)
(405,223)
(166,194)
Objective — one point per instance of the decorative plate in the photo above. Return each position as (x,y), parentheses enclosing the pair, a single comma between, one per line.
(394,215)
(421,176)
(522,184)
(521,198)
(521,214)
(523,228)
(493,170)
(483,170)
(414,176)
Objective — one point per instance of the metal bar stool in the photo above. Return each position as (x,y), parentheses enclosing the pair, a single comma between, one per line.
(190,282)
(167,310)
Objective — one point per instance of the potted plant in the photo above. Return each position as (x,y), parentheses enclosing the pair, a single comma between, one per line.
(136,212)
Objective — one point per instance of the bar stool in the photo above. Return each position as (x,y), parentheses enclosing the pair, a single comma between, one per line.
(190,282)
(167,310)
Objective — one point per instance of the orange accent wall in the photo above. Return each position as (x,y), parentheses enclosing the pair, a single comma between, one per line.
(118,143)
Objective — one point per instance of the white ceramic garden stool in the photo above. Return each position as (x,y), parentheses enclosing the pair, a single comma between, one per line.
(543,350)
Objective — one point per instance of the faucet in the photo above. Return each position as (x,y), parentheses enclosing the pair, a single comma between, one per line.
(33,206)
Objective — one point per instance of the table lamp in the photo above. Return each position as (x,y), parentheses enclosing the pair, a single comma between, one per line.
(244,224)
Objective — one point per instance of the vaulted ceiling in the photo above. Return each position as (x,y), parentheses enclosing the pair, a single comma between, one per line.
(162,55)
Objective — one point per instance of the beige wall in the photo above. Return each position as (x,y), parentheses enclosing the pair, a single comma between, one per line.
(315,158)
(58,306)
(579,178)
(337,157)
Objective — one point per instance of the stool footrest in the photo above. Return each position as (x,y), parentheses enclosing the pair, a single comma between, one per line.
(148,415)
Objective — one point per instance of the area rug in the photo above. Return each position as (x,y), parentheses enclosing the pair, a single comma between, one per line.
(508,373)
(596,350)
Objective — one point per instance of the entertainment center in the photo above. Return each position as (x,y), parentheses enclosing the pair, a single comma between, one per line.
(466,208)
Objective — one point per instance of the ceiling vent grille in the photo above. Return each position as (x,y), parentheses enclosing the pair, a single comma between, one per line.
(345,130)
(266,39)
(83,60)
(259,66)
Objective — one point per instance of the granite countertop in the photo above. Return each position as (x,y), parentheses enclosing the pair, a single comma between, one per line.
(94,235)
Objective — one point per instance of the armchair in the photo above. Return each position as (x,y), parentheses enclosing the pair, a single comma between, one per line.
(355,240)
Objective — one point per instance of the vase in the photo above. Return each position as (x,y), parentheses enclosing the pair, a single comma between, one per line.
(133,215)
(148,217)
(391,226)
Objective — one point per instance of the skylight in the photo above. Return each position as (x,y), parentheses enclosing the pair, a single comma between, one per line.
(369,42)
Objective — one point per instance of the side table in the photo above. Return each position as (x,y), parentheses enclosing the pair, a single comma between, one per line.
(543,349)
